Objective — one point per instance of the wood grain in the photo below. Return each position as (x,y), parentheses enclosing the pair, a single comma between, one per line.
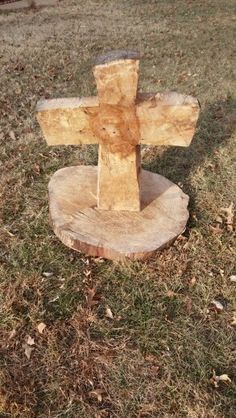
(119,120)
(118,180)
(115,234)
(117,81)
(167,119)
(67,121)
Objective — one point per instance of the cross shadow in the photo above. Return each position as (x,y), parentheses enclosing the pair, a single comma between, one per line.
(153,186)
(216,124)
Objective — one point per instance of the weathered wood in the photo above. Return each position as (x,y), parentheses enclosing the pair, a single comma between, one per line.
(115,234)
(117,81)
(67,121)
(119,121)
(117,55)
(167,118)
(117,127)
(114,191)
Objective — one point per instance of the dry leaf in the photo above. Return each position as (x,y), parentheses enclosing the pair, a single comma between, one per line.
(193,281)
(41,327)
(109,313)
(229,216)
(99,260)
(233,278)
(28,350)
(97,393)
(234,320)
(12,334)
(91,317)
(147,409)
(225,378)
(188,304)
(216,229)
(90,297)
(170,294)
(12,135)
(186,245)
(36,168)
(30,340)
(48,274)
(221,272)
(222,378)
(218,305)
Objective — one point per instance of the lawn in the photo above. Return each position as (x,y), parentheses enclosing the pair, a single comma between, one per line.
(133,339)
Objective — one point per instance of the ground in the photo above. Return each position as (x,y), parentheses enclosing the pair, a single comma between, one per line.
(134,339)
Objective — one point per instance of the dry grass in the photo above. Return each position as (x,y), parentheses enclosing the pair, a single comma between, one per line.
(156,357)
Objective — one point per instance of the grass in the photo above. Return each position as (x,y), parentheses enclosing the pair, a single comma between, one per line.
(157,355)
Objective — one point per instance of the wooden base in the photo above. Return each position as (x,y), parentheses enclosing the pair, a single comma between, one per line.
(115,234)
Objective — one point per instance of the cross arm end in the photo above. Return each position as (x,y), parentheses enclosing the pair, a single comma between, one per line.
(67,121)
(167,118)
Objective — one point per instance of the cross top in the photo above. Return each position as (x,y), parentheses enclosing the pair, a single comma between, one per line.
(119,120)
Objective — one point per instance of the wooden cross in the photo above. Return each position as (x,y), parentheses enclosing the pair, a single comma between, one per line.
(119,120)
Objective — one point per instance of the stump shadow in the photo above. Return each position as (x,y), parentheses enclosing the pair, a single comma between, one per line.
(215,126)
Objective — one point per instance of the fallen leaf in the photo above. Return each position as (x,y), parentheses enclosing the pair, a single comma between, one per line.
(216,229)
(170,294)
(99,260)
(221,272)
(28,350)
(181,238)
(12,334)
(36,168)
(218,305)
(48,274)
(229,216)
(147,409)
(225,378)
(91,317)
(186,245)
(41,327)
(193,281)
(97,393)
(90,297)
(234,320)
(30,340)
(222,378)
(109,313)
(188,305)
(12,135)
(233,278)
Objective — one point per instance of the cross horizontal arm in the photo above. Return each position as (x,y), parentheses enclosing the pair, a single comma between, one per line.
(67,121)
(166,119)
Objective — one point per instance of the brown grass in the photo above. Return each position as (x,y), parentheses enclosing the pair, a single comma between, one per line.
(156,357)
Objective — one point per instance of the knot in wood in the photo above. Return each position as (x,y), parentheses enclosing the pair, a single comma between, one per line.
(116,127)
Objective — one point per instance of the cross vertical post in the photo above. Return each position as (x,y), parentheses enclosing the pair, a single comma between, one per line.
(116,125)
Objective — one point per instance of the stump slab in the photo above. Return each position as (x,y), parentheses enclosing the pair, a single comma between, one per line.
(80,225)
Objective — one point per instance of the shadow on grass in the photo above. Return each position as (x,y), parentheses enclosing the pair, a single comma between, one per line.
(216,124)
